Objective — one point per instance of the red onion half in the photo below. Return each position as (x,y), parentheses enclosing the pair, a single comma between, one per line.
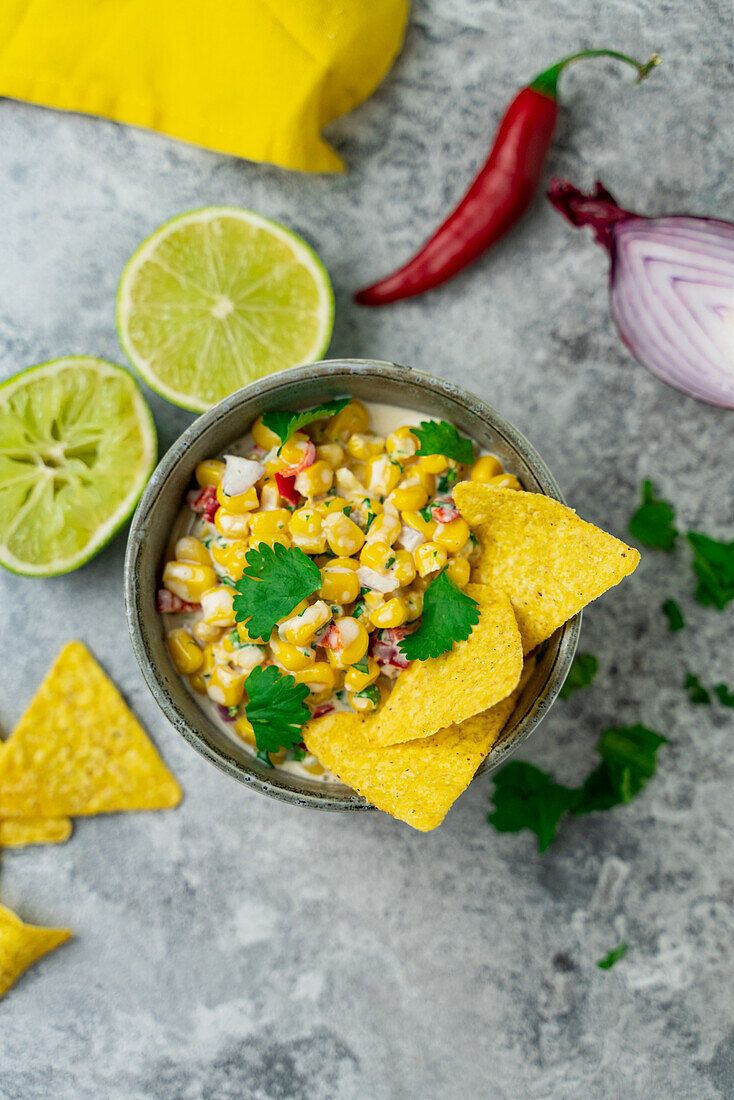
(671,289)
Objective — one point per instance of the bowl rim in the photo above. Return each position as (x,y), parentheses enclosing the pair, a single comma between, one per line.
(318,371)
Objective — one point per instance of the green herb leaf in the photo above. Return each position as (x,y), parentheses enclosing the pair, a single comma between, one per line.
(363,664)
(441,438)
(299,753)
(527,798)
(284,422)
(713,564)
(371,692)
(449,616)
(652,523)
(613,956)
(696,691)
(275,708)
(725,697)
(628,761)
(447,480)
(674,615)
(275,580)
(582,672)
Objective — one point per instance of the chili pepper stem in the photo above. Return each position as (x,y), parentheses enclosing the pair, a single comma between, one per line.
(547,82)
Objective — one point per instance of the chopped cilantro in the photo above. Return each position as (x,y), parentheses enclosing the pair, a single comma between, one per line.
(613,956)
(359,609)
(697,693)
(390,561)
(725,697)
(372,692)
(527,798)
(674,615)
(449,616)
(284,422)
(299,753)
(275,708)
(235,640)
(426,513)
(226,580)
(447,480)
(347,510)
(628,761)
(713,564)
(441,438)
(264,758)
(652,523)
(275,580)
(363,664)
(233,711)
(582,672)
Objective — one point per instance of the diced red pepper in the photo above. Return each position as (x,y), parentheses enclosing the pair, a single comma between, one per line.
(332,639)
(384,647)
(204,502)
(170,604)
(322,708)
(445,512)
(287,487)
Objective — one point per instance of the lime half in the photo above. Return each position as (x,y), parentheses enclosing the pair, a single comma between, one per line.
(218,297)
(77,445)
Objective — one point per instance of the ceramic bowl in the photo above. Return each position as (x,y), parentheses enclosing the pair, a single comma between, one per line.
(212,434)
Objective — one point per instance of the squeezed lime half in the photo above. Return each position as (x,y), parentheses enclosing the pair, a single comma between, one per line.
(77,445)
(217,298)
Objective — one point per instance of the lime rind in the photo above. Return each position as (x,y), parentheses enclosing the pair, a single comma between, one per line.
(303,254)
(105,531)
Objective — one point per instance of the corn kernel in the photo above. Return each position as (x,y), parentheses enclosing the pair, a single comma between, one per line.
(306,528)
(294,449)
(193,551)
(364,700)
(381,475)
(403,568)
(414,606)
(485,468)
(373,600)
(352,418)
(290,656)
(424,478)
(427,527)
(345,538)
(210,659)
(243,728)
(217,606)
(355,641)
(209,472)
(333,504)
(357,680)
(375,555)
(185,653)
(204,633)
(452,536)
(505,481)
(231,526)
(242,502)
(429,557)
(226,685)
(278,757)
(364,445)
(409,498)
(384,528)
(433,464)
(263,436)
(315,768)
(270,526)
(300,628)
(232,558)
(392,613)
(401,444)
(188,581)
(459,571)
(245,636)
(339,581)
(319,678)
(331,453)
(269,495)
(198,683)
(315,480)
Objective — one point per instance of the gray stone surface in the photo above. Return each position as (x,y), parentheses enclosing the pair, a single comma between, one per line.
(241,948)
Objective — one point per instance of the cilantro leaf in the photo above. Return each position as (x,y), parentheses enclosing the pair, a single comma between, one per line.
(696,691)
(713,564)
(652,523)
(284,422)
(613,956)
(582,672)
(449,616)
(628,761)
(527,798)
(441,438)
(725,697)
(275,708)
(275,580)
(674,614)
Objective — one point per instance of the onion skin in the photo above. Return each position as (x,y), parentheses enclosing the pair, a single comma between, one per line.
(671,289)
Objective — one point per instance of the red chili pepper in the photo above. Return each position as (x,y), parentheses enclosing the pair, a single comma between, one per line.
(500,194)
(286,484)
(204,502)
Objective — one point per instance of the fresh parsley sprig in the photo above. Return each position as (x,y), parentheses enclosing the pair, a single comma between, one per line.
(284,422)
(581,674)
(275,708)
(652,523)
(438,437)
(275,580)
(449,616)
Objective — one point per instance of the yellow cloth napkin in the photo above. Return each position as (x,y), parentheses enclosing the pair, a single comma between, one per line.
(257,78)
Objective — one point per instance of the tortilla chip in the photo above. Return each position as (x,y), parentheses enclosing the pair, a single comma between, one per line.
(550,562)
(22,944)
(431,695)
(17,832)
(416,782)
(79,750)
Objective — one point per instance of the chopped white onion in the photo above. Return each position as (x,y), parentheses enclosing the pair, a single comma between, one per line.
(378,582)
(240,474)
(409,539)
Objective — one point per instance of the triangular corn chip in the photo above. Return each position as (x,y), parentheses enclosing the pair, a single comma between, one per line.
(79,750)
(550,562)
(17,832)
(416,782)
(467,680)
(21,944)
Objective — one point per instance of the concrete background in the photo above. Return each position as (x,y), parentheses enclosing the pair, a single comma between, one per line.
(241,948)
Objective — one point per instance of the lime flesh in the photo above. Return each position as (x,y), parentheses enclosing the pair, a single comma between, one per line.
(77,445)
(217,298)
